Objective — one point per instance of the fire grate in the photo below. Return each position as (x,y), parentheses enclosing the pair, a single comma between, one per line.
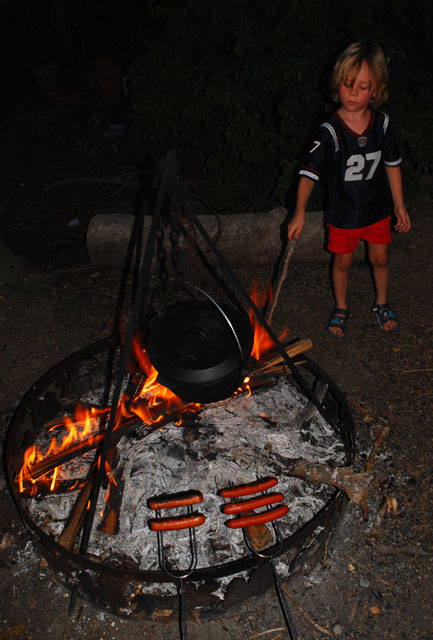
(114,580)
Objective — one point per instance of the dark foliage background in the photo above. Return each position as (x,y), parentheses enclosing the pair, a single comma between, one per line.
(237,85)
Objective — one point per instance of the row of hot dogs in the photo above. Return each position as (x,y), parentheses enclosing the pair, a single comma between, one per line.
(243,510)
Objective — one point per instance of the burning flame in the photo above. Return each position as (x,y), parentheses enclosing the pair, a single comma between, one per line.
(84,425)
(152,390)
(262,341)
(150,404)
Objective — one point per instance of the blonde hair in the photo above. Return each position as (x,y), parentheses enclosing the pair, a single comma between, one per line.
(349,63)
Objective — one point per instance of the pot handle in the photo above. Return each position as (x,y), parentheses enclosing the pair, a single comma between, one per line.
(227,319)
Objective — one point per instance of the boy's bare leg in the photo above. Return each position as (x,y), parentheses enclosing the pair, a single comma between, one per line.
(378,254)
(340,277)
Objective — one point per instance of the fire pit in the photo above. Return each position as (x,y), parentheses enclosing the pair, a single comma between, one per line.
(120,572)
(99,447)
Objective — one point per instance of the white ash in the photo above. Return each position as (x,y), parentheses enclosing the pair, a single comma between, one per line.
(78,468)
(236,441)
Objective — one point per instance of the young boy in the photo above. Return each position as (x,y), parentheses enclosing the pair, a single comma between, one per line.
(356,152)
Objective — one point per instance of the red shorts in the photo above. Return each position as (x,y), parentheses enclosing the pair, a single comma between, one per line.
(346,240)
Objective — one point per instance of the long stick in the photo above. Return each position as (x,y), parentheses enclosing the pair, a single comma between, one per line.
(298,377)
(289,252)
(305,614)
(381,437)
(373,453)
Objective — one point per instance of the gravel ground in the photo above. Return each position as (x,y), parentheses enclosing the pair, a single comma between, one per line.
(375,581)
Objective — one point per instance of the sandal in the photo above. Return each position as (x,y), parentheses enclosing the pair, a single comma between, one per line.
(384,313)
(338,320)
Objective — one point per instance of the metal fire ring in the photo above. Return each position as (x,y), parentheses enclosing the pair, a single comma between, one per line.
(106,584)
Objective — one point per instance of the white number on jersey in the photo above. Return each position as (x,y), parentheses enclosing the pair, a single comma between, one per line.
(317,144)
(356,166)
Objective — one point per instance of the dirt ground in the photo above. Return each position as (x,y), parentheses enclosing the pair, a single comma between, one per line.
(376,579)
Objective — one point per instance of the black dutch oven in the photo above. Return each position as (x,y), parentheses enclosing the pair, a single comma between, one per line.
(199,349)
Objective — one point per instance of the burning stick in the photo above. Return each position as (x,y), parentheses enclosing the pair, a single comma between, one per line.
(76,518)
(110,523)
(46,465)
(43,490)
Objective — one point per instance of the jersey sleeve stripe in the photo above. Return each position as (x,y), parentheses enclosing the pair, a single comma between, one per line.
(393,163)
(333,133)
(309,174)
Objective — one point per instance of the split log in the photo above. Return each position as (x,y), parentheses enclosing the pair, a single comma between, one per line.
(272,360)
(110,523)
(48,464)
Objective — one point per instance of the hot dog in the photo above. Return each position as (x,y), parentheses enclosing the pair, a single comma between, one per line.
(253,503)
(173,500)
(177,522)
(258,518)
(248,489)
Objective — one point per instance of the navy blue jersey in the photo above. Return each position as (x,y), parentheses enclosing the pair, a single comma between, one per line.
(353,167)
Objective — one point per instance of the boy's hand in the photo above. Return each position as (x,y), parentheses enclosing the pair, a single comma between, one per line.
(295,226)
(403,221)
